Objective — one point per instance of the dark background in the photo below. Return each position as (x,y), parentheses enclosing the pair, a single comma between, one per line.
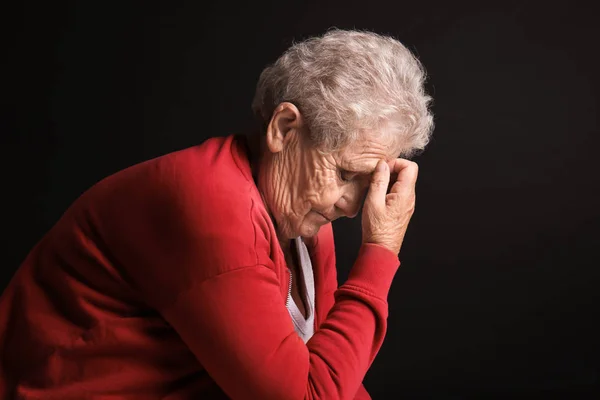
(497,295)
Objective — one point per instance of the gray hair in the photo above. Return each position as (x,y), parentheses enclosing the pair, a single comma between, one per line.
(346,83)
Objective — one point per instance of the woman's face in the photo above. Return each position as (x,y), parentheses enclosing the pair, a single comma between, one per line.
(304,189)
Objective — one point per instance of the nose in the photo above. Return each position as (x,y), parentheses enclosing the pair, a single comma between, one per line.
(354,211)
(351,201)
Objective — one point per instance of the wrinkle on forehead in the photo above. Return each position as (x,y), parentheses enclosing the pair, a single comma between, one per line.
(363,155)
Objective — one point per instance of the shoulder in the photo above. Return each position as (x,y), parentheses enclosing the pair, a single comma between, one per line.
(198,204)
(214,175)
(210,176)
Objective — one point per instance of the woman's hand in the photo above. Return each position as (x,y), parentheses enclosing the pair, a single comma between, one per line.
(388,208)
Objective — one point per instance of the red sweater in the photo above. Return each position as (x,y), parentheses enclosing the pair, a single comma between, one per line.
(166,280)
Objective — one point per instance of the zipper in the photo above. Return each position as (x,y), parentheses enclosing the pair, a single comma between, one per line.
(289,296)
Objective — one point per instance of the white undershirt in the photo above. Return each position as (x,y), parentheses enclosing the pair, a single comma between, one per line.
(304,327)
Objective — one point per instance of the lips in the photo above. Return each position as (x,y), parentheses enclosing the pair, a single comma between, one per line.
(325,216)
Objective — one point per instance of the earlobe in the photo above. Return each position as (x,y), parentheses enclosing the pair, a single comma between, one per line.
(285,119)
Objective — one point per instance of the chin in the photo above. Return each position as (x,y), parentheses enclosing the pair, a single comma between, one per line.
(309,229)
(310,232)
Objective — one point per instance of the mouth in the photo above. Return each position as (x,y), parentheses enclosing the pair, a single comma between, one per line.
(325,217)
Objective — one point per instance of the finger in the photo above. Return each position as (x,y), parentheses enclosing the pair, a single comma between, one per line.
(379,184)
(407,175)
(398,164)
(393,175)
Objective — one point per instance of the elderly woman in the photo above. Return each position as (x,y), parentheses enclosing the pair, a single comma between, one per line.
(210,272)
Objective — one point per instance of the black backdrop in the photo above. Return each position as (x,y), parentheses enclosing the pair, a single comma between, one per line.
(497,296)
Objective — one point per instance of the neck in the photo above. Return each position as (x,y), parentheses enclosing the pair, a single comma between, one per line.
(255,144)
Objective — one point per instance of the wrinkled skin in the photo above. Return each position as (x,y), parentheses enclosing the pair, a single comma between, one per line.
(304,189)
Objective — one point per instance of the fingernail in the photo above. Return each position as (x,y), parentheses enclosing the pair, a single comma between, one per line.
(381,166)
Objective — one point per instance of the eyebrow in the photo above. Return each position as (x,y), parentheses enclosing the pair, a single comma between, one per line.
(355,170)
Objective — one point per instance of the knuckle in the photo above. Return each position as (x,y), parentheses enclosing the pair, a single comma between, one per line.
(415,167)
(379,183)
(411,208)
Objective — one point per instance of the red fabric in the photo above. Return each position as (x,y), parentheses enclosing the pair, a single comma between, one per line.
(166,280)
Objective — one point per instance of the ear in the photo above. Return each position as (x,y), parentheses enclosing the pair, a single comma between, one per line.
(285,122)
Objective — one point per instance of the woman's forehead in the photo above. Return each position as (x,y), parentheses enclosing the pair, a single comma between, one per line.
(363,156)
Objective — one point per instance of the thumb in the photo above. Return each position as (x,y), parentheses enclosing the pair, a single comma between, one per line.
(379,184)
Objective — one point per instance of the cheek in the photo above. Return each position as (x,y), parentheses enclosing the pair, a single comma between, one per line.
(323,186)
(334,193)
(328,194)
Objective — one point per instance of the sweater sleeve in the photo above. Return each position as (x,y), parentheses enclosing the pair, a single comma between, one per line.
(191,248)
(327,299)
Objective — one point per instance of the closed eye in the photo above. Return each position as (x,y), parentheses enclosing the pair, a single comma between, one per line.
(346,176)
